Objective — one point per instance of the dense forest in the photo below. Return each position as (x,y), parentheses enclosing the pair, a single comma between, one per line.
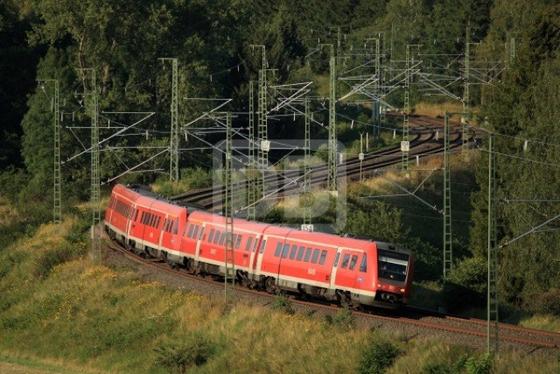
(122,40)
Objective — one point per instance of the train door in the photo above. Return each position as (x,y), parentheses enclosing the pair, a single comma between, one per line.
(336,264)
(347,268)
(253,246)
(131,220)
(259,254)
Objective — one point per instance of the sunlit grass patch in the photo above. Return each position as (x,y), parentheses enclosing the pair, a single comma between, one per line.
(542,322)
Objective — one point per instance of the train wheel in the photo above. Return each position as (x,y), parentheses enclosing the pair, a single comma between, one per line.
(270,285)
(344,299)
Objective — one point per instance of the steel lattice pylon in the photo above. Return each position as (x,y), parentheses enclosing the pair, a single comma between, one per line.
(306,166)
(492,296)
(406,125)
(332,146)
(57,170)
(376,105)
(228,210)
(447,232)
(174,112)
(93,108)
(251,187)
(466,90)
(262,133)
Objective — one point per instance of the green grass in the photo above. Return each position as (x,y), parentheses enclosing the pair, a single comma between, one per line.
(542,322)
(76,316)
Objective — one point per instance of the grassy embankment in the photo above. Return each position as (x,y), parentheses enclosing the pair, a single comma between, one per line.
(61,313)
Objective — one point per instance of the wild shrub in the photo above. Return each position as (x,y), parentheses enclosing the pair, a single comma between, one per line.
(377,357)
(447,367)
(482,365)
(283,304)
(179,355)
(467,284)
(47,260)
(438,368)
(548,302)
(343,319)
(79,230)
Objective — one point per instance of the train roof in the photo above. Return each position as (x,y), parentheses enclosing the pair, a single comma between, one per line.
(143,197)
(218,219)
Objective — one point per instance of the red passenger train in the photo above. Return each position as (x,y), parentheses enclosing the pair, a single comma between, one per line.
(266,256)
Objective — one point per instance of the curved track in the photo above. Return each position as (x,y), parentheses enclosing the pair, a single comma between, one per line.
(424,143)
(465,330)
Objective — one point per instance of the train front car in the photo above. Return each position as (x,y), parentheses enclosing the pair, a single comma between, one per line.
(394,275)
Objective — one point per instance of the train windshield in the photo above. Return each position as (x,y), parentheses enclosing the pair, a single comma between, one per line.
(392,265)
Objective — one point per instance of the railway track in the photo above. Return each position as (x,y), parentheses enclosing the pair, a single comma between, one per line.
(413,320)
(423,144)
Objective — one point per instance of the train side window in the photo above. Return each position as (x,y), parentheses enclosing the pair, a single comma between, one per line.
(278,249)
(211,235)
(136,215)
(248,244)
(323,257)
(158,220)
(190,231)
(195,232)
(255,243)
(307,255)
(152,220)
(223,238)
(217,237)
(263,245)
(238,241)
(363,265)
(201,232)
(285,250)
(315,256)
(166,225)
(175,226)
(336,259)
(300,253)
(345,261)
(293,252)
(353,262)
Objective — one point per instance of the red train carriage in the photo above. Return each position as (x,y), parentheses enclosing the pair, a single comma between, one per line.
(266,256)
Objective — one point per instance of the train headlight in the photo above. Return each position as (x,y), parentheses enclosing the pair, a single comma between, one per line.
(402,289)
